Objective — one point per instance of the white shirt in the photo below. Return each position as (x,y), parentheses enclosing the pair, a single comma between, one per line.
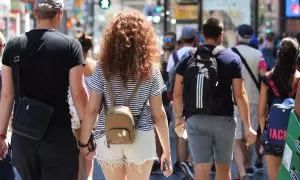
(180,53)
(253,58)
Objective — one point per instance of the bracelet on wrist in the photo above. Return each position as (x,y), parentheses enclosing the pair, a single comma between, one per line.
(3,136)
(81,145)
(179,117)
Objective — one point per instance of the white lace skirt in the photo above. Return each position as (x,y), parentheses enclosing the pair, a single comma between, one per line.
(74,115)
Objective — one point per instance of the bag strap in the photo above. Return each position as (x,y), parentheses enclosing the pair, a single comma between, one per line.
(143,109)
(175,57)
(21,44)
(247,67)
(111,95)
(273,87)
(297,101)
(195,51)
(136,88)
(113,98)
(217,50)
(276,91)
(294,89)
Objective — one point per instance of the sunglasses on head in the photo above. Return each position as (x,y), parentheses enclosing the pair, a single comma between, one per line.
(168,39)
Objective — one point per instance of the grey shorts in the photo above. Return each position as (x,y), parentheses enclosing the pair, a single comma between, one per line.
(239,132)
(211,136)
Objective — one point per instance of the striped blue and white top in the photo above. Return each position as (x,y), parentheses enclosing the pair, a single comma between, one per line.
(153,86)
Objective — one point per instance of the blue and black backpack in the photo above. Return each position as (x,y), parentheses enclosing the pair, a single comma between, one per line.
(278,116)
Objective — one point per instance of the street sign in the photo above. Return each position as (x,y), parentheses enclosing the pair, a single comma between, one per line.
(104,4)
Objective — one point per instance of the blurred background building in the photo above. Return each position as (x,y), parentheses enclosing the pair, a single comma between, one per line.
(266,16)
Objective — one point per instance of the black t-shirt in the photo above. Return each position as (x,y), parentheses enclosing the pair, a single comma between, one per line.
(44,71)
(229,67)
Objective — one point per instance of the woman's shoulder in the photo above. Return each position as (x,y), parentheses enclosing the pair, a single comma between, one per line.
(89,67)
(297,74)
(266,77)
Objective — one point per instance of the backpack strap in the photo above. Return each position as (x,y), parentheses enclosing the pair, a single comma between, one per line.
(113,98)
(273,87)
(175,57)
(136,88)
(294,90)
(217,50)
(111,95)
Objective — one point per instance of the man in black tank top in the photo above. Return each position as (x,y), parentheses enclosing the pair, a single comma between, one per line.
(49,64)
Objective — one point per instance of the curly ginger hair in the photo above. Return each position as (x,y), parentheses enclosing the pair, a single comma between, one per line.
(129,47)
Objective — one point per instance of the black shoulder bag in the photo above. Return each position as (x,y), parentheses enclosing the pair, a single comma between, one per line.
(31,117)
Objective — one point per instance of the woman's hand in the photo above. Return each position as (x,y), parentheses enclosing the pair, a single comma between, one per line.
(166,158)
(251,136)
(3,149)
(86,153)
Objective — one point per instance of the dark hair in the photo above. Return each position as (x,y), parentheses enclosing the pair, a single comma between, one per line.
(170,34)
(42,15)
(85,41)
(285,68)
(212,28)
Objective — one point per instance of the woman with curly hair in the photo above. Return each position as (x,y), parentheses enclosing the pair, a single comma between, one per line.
(129,55)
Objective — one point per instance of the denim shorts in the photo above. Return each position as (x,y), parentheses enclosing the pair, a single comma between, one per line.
(211,137)
(142,150)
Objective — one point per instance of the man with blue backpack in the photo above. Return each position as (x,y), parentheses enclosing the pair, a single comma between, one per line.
(205,81)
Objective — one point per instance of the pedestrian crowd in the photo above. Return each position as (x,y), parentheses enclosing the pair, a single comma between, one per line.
(65,109)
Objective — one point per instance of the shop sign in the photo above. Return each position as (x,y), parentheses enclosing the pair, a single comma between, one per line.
(186,12)
(187,1)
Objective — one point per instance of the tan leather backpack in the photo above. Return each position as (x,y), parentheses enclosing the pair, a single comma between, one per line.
(120,126)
